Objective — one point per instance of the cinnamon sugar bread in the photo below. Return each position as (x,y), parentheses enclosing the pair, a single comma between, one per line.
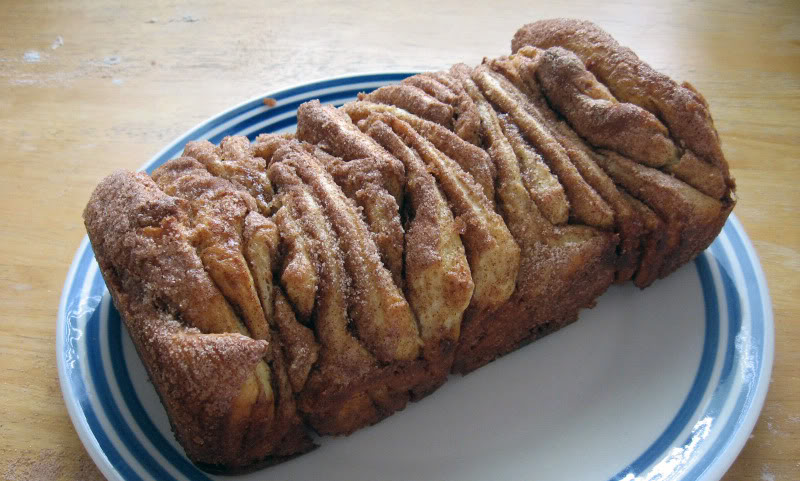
(324,279)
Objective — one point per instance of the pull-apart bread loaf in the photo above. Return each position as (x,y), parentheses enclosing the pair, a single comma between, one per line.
(321,280)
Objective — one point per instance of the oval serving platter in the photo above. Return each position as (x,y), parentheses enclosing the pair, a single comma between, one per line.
(660,384)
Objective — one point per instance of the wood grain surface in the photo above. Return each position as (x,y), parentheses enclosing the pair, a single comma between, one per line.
(87,87)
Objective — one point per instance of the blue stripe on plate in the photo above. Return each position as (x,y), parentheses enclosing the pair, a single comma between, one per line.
(73,336)
(726,380)
(756,296)
(734,310)
(111,453)
(382,77)
(77,284)
(274,127)
(745,398)
(702,378)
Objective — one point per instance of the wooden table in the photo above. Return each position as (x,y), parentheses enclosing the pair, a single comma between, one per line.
(89,87)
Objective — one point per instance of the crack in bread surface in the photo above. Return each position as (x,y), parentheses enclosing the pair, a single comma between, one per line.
(217,212)
(299,276)
(439,285)
(587,205)
(233,160)
(470,158)
(492,252)
(342,356)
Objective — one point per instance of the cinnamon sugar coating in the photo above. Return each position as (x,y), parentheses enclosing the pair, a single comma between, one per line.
(439,285)
(470,158)
(208,374)
(415,100)
(381,315)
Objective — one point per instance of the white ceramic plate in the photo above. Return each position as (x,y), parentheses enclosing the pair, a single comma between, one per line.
(659,384)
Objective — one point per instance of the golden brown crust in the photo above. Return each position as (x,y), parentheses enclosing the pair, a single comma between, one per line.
(472,159)
(493,255)
(428,84)
(234,161)
(546,251)
(623,127)
(265,145)
(438,281)
(333,131)
(541,183)
(519,211)
(345,373)
(381,315)
(467,124)
(150,241)
(342,357)
(299,274)
(693,218)
(415,100)
(300,348)
(259,247)
(652,243)
(446,88)
(362,183)
(521,69)
(681,108)
(626,220)
(603,121)
(216,214)
(587,205)
(702,176)
(368,174)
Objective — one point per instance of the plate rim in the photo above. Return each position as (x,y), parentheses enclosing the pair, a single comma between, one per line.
(720,465)
(715,470)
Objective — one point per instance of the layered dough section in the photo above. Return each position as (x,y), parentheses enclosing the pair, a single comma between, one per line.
(323,279)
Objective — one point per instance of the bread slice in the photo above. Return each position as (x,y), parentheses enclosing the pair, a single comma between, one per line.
(322,280)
